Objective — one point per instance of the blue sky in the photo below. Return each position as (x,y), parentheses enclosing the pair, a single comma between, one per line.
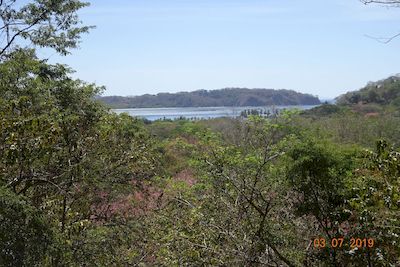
(313,46)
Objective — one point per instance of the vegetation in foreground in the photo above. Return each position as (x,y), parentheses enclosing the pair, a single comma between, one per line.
(81,186)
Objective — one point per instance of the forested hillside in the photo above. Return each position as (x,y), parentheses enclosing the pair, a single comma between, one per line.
(231,97)
(383,92)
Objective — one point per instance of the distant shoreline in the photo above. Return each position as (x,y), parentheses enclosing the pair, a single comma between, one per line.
(221,106)
(228,97)
(172,113)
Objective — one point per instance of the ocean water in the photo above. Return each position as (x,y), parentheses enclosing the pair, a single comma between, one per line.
(153,114)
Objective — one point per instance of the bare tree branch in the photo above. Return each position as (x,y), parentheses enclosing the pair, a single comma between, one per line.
(383,2)
(384,40)
(393,3)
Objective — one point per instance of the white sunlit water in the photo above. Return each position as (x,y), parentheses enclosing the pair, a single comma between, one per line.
(153,114)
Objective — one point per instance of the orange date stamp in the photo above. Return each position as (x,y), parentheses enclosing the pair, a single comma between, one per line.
(339,242)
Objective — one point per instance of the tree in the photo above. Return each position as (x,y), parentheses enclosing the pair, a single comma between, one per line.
(43,23)
(375,204)
(25,234)
(318,174)
(233,215)
(65,152)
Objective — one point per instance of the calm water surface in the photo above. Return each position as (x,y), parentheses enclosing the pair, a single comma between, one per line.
(153,114)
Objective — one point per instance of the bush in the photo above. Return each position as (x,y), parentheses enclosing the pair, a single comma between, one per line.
(24,233)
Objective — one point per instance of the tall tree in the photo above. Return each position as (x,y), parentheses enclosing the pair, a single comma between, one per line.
(41,23)
(61,150)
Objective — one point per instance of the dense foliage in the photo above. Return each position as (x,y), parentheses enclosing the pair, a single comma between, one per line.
(230,97)
(265,189)
(383,92)
(26,237)
(64,152)
(42,23)
(97,189)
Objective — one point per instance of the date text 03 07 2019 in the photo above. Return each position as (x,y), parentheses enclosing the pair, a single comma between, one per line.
(339,242)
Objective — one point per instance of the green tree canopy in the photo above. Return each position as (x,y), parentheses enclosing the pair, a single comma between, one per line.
(25,234)
(43,23)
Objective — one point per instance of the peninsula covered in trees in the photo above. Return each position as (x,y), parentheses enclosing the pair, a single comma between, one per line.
(230,97)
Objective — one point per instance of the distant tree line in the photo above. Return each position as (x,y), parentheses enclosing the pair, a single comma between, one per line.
(239,97)
(260,112)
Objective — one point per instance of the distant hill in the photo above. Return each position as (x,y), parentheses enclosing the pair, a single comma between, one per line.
(383,92)
(323,110)
(231,97)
